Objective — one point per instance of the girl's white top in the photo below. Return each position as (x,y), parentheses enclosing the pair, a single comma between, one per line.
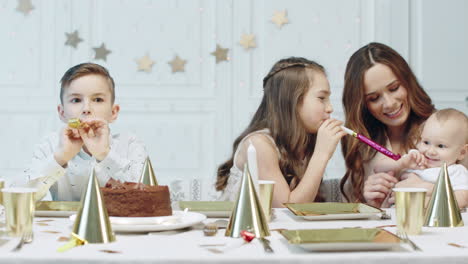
(235,175)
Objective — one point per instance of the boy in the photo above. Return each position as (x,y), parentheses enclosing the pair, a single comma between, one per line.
(444,138)
(63,162)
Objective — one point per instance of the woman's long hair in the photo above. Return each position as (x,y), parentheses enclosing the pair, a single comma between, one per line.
(284,88)
(359,119)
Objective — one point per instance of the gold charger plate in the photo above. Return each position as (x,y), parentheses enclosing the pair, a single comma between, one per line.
(333,211)
(56,208)
(219,209)
(346,239)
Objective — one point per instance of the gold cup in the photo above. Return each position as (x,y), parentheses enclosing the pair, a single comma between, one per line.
(409,203)
(266,196)
(2,185)
(19,210)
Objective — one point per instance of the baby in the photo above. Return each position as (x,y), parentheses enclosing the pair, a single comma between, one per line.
(444,138)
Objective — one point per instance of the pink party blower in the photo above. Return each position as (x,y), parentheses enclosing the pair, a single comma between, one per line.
(372,144)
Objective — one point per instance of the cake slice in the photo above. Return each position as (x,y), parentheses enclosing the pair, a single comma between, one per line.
(136,199)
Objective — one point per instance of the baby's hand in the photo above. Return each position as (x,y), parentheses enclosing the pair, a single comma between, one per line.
(70,143)
(413,160)
(95,135)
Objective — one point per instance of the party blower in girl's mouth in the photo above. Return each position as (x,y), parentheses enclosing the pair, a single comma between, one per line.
(372,144)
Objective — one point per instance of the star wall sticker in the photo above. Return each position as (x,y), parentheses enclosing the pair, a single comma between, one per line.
(220,54)
(177,64)
(145,63)
(101,52)
(280,18)
(248,41)
(73,39)
(25,7)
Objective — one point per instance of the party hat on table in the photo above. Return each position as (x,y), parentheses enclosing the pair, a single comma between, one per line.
(92,223)
(147,175)
(247,213)
(443,210)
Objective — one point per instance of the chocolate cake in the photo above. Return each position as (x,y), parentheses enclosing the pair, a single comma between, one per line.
(136,199)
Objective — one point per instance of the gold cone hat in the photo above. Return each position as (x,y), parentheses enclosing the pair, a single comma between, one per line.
(443,210)
(247,213)
(147,175)
(92,223)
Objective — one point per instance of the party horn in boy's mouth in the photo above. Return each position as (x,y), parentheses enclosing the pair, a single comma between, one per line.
(75,123)
(372,144)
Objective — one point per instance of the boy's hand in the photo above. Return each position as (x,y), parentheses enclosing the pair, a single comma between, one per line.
(413,160)
(95,135)
(70,143)
(328,136)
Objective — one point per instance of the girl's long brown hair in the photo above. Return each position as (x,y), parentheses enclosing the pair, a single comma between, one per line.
(359,119)
(284,88)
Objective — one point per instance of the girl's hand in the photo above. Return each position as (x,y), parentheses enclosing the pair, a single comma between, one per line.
(377,187)
(328,136)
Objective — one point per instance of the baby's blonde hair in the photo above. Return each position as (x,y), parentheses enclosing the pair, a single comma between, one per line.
(446,114)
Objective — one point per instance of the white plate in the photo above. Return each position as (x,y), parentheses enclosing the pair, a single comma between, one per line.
(342,216)
(53,213)
(153,220)
(178,220)
(348,246)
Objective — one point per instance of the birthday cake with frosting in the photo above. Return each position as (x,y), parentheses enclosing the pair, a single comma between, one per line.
(133,199)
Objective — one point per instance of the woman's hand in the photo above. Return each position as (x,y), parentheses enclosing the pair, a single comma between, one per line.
(412,180)
(377,187)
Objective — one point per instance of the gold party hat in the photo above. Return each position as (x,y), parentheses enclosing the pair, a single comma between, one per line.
(443,210)
(147,175)
(92,222)
(247,213)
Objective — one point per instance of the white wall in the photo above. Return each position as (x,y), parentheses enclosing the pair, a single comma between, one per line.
(189,120)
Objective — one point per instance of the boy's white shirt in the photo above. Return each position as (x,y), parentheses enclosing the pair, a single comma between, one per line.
(458,175)
(124,162)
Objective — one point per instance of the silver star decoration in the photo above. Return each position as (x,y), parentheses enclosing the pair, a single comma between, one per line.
(73,39)
(220,53)
(101,52)
(177,64)
(25,7)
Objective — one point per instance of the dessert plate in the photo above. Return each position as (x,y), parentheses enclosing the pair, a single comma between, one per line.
(346,239)
(219,209)
(333,211)
(56,208)
(178,220)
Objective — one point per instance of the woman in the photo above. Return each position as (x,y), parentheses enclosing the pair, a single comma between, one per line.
(382,100)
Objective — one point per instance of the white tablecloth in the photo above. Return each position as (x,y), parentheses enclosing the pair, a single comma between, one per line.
(183,246)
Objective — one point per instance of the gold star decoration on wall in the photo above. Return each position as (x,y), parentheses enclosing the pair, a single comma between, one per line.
(145,63)
(248,41)
(73,39)
(25,7)
(279,18)
(220,54)
(177,64)
(101,52)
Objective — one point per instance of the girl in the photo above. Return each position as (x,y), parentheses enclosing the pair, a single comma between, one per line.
(291,131)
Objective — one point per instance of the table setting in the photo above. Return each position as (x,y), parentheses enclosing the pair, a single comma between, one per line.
(246,230)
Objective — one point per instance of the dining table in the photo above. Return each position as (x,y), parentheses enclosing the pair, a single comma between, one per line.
(191,245)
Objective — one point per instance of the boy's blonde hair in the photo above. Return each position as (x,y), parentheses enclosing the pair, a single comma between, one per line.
(84,69)
(453,114)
